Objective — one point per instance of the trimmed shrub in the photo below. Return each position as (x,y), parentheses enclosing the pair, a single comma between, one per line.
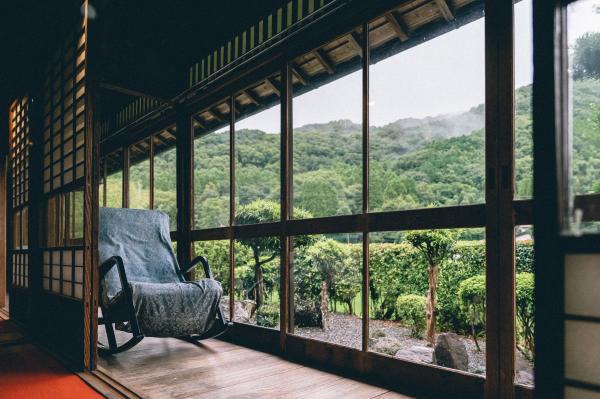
(267,316)
(410,309)
(525,313)
(471,294)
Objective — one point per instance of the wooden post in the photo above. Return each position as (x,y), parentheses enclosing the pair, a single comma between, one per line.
(549,120)
(286,143)
(500,181)
(3,224)
(185,186)
(232,206)
(365,185)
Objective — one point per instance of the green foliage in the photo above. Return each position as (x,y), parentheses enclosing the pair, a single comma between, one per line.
(433,245)
(331,262)
(525,287)
(586,56)
(471,294)
(267,316)
(410,309)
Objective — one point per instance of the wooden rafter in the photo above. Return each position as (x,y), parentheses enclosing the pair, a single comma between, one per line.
(198,122)
(323,59)
(299,75)
(397,26)
(253,99)
(445,9)
(272,86)
(215,114)
(354,40)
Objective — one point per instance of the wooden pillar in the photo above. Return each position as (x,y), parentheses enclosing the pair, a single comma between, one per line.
(3,224)
(286,143)
(549,121)
(500,181)
(365,183)
(185,186)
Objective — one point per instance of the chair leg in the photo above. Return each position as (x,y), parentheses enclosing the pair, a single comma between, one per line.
(110,335)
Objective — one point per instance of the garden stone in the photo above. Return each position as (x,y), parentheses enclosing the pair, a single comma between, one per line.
(249,306)
(451,352)
(422,354)
(240,313)
(385,344)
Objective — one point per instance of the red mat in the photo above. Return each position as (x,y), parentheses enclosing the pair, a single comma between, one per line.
(27,373)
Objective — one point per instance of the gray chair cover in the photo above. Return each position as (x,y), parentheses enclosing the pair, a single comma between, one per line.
(166,305)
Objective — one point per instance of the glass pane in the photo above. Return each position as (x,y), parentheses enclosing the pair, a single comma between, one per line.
(16,227)
(584,71)
(525,307)
(427,120)
(327,139)
(523,110)
(74,207)
(139,175)
(327,288)
(217,254)
(114,179)
(165,180)
(257,181)
(402,267)
(257,283)
(211,177)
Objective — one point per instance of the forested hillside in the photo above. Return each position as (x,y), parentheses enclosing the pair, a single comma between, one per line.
(414,162)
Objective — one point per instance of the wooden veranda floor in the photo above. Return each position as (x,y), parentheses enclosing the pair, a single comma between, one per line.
(170,368)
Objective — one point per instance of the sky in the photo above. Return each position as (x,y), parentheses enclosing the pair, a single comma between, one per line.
(441,76)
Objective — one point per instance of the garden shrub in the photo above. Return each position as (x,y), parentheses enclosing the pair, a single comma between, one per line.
(267,315)
(410,309)
(525,313)
(471,294)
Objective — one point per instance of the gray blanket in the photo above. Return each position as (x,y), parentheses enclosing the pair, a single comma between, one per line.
(166,305)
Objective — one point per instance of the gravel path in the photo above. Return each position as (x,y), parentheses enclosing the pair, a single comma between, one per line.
(346,330)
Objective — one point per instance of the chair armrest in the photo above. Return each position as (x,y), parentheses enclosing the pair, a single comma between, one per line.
(205,265)
(108,265)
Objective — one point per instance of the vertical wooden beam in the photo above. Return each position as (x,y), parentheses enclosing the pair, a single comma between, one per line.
(286,176)
(549,125)
(151,172)
(365,184)
(185,186)
(232,108)
(3,224)
(500,245)
(125,180)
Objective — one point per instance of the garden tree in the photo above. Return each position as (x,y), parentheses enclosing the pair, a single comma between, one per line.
(265,249)
(525,313)
(586,56)
(434,246)
(471,293)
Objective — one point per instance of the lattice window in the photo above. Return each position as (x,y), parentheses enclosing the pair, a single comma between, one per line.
(19,143)
(64,115)
(63,272)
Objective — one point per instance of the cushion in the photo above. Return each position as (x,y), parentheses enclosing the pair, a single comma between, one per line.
(176,309)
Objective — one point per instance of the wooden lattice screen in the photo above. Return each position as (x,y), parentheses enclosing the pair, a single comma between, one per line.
(19,144)
(64,130)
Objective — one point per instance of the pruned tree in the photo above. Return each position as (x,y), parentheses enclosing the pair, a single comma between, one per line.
(586,56)
(434,246)
(265,249)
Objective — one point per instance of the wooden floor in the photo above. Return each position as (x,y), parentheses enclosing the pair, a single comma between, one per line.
(169,368)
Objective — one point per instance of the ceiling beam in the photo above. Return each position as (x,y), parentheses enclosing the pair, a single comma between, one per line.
(445,10)
(253,99)
(354,41)
(299,75)
(196,119)
(397,26)
(131,92)
(324,60)
(272,86)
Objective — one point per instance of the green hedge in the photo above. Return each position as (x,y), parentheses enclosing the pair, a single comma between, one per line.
(411,310)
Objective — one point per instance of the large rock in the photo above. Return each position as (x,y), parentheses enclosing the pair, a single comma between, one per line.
(416,354)
(239,311)
(380,342)
(308,314)
(451,352)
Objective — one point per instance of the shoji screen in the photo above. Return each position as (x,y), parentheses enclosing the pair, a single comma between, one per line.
(18,200)
(66,174)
